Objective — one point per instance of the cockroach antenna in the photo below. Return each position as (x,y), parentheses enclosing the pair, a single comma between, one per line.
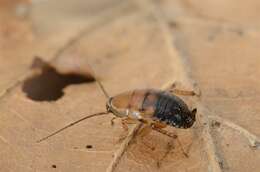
(86,117)
(99,83)
(102,88)
(71,124)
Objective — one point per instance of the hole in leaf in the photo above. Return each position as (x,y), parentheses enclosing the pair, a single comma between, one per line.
(48,85)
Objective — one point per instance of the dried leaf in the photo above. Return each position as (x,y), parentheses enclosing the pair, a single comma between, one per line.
(128,45)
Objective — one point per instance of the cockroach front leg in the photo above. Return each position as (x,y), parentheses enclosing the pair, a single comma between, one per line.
(125,122)
(112,120)
(174,90)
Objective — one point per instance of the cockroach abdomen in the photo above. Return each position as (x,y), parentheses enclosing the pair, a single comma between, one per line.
(173,111)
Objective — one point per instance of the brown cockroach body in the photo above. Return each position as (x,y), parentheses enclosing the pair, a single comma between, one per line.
(150,106)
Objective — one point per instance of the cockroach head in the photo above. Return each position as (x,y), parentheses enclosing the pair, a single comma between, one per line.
(190,119)
(109,105)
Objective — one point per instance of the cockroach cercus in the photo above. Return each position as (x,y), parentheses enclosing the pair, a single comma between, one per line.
(155,108)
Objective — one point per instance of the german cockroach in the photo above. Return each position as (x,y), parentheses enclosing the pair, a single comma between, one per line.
(151,106)
(155,108)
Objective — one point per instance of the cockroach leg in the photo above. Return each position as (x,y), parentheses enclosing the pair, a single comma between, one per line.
(172,135)
(159,125)
(125,127)
(170,146)
(125,122)
(162,131)
(146,130)
(122,137)
(182,92)
(112,120)
(174,90)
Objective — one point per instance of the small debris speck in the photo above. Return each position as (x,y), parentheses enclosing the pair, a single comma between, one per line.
(215,124)
(54,166)
(89,146)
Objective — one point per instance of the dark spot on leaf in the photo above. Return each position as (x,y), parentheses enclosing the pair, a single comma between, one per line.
(173,24)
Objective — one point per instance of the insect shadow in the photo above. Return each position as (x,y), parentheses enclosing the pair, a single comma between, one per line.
(48,84)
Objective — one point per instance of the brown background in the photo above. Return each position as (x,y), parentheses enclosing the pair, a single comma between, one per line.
(130,44)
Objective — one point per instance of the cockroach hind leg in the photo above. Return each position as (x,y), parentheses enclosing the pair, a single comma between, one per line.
(170,146)
(146,130)
(172,135)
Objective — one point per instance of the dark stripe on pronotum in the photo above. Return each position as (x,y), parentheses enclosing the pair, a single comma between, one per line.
(131,99)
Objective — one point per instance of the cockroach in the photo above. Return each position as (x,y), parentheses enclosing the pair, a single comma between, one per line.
(152,107)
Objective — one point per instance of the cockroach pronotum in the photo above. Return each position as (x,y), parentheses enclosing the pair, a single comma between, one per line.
(154,108)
